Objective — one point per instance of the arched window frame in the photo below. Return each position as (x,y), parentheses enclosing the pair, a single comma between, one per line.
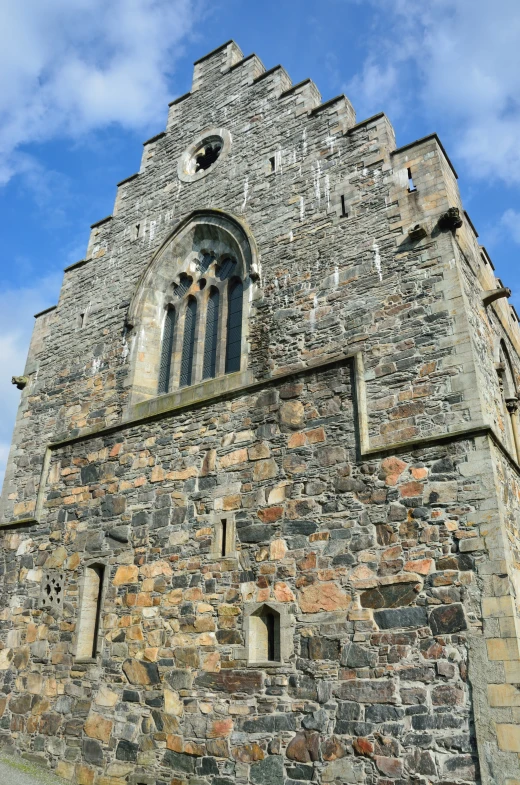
(203,233)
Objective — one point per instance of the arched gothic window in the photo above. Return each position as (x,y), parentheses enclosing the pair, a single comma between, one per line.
(188,320)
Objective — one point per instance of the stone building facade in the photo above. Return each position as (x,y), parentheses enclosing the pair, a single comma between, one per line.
(260,522)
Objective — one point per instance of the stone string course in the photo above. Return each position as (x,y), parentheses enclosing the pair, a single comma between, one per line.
(376,498)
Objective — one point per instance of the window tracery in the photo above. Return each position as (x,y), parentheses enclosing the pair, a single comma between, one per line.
(188,320)
(197,311)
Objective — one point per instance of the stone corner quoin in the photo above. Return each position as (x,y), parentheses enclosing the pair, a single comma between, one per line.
(260,521)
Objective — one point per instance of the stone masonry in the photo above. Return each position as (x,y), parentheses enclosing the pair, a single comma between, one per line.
(306,570)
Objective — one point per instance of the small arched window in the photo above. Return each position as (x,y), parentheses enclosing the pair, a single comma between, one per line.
(234,326)
(166,351)
(211,340)
(188,344)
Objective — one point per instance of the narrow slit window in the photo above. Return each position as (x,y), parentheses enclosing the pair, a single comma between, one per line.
(137,231)
(90,612)
(223,544)
(411,186)
(188,347)
(166,351)
(210,344)
(344,213)
(82,320)
(234,327)
(272,164)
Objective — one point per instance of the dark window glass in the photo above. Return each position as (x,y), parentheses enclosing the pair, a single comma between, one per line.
(188,344)
(204,262)
(210,344)
(234,327)
(184,284)
(166,352)
(225,269)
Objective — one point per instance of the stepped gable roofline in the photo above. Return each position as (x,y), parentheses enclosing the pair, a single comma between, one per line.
(211,215)
(46,310)
(421,141)
(269,72)
(328,103)
(244,60)
(295,87)
(179,99)
(155,138)
(362,123)
(215,51)
(75,265)
(128,179)
(102,221)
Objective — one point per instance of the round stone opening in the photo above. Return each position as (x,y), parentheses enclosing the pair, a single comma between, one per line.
(204,154)
(207,154)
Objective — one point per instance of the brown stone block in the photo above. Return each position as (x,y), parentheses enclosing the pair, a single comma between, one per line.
(233,458)
(174,742)
(264,470)
(97,727)
(218,747)
(323,596)
(258,451)
(292,414)
(127,573)
(304,747)
(270,514)
(84,774)
(248,753)
(297,439)
(141,672)
(220,728)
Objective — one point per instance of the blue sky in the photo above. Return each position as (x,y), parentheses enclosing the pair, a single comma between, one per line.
(84,82)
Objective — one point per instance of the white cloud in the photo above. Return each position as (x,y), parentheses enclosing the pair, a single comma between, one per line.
(17,307)
(457,60)
(70,66)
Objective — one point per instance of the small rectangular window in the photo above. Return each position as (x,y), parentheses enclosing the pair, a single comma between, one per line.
(411,186)
(224,538)
(82,320)
(272,164)
(90,612)
(344,213)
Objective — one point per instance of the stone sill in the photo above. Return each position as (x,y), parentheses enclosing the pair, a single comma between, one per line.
(231,557)
(267,664)
(196,393)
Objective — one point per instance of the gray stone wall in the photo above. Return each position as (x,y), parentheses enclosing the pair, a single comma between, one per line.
(363,459)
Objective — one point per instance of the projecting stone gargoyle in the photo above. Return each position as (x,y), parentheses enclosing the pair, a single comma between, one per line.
(490,295)
(20,381)
(450,219)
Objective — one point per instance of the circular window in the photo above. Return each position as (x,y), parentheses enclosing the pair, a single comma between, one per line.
(204,154)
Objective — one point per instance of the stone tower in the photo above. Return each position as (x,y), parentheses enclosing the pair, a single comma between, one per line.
(260,522)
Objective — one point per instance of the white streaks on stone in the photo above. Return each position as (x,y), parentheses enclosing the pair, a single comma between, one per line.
(330,141)
(246,193)
(316,177)
(302,208)
(377,260)
(327,190)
